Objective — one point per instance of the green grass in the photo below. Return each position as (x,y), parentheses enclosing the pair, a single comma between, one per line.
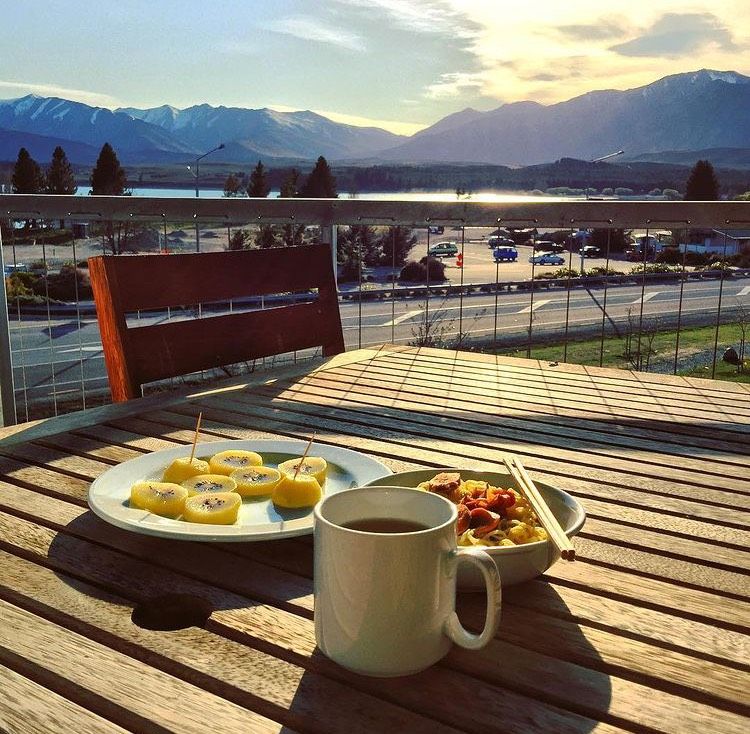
(694,357)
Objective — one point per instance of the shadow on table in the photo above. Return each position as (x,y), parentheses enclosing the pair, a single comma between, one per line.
(540,673)
(174,584)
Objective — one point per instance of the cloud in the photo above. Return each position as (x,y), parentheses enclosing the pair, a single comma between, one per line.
(674,35)
(604,29)
(310,29)
(454,83)
(95,99)
(426,16)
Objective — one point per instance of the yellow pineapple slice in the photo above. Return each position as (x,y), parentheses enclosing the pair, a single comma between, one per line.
(225,462)
(214,508)
(181,469)
(255,481)
(302,491)
(209,483)
(161,498)
(312,465)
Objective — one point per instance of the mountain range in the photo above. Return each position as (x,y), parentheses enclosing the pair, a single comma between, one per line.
(665,120)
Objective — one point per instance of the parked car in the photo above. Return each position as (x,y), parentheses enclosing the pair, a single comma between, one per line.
(548,246)
(436,229)
(547,258)
(9,269)
(505,253)
(635,254)
(590,251)
(443,249)
(497,241)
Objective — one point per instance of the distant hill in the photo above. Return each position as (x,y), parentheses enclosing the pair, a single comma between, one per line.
(736,158)
(692,111)
(40,148)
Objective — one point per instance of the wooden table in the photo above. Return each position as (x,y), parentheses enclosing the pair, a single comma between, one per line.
(646,632)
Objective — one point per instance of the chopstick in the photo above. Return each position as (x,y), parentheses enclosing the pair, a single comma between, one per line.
(546,518)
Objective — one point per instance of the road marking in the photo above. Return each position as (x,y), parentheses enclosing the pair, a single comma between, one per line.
(646,297)
(745,291)
(537,304)
(404,317)
(81,349)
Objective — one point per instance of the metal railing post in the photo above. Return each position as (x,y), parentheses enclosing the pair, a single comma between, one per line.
(7,388)
(329,236)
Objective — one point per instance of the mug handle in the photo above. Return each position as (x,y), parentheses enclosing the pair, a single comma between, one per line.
(453,627)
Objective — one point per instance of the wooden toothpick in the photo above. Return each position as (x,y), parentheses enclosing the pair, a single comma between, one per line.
(195,438)
(304,456)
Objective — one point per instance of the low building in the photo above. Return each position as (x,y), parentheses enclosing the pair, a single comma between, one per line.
(718,241)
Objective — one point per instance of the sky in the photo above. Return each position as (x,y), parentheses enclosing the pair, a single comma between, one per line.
(397,64)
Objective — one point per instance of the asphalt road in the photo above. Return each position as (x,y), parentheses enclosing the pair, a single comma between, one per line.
(63,354)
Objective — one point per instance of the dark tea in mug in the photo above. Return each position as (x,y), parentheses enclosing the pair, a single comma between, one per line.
(385,525)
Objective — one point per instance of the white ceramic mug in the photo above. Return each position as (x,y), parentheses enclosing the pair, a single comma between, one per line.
(385,602)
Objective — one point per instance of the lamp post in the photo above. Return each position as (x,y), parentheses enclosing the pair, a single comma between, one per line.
(598,160)
(595,160)
(196,174)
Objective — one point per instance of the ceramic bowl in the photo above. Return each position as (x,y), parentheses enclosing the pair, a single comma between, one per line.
(516,563)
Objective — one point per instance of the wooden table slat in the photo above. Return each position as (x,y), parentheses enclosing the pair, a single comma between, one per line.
(647,632)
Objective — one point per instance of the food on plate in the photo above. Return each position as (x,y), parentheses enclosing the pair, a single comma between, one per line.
(215,508)
(313,465)
(225,462)
(295,492)
(161,498)
(487,515)
(209,483)
(184,468)
(255,481)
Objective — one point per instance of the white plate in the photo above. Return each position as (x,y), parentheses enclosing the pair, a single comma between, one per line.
(109,495)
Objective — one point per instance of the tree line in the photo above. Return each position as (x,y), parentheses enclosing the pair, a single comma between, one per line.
(107,178)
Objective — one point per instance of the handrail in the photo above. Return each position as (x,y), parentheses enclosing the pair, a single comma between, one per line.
(562,214)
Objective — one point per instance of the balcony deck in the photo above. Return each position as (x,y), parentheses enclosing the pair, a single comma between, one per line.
(645,632)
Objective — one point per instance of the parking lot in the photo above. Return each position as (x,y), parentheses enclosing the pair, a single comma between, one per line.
(480,267)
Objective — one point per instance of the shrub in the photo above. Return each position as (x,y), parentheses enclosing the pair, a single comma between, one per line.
(66,285)
(418,272)
(413,272)
(669,256)
(559,274)
(607,192)
(654,268)
(623,191)
(599,270)
(435,269)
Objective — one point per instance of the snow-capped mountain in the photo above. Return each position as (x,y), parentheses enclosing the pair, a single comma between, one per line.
(683,112)
(61,118)
(691,111)
(266,132)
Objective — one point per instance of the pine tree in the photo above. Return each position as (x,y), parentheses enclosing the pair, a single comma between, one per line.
(232,186)
(60,178)
(292,235)
(320,183)
(290,186)
(702,184)
(258,187)
(266,236)
(396,244)
(108,177)
(27,175)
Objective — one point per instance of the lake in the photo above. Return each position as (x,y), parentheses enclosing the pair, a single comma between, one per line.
(492,196)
